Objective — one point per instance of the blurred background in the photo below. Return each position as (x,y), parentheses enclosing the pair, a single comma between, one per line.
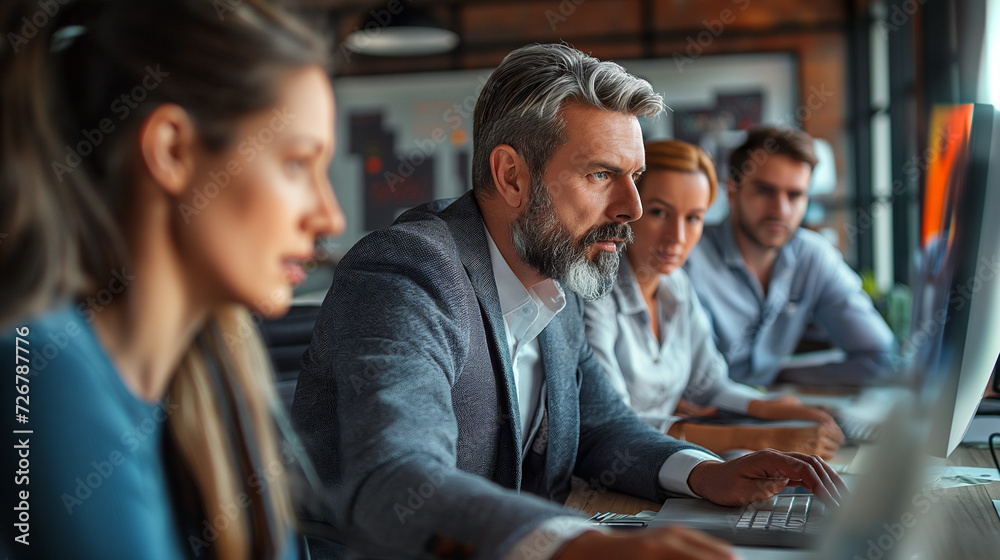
(861,76)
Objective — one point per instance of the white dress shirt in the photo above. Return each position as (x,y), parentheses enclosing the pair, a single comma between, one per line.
(526,313)
(652,375)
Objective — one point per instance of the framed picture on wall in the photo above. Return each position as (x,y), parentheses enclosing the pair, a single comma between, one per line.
(407,139)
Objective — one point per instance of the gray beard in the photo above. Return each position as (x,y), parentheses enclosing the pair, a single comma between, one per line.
(543,242)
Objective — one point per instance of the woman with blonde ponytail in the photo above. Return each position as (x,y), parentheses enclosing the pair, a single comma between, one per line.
(163,177)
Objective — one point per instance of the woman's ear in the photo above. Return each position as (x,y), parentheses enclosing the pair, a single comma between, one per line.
(510,176)
(168,142)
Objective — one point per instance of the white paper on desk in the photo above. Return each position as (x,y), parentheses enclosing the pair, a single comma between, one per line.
(981,428)
(953,477)
(971,472)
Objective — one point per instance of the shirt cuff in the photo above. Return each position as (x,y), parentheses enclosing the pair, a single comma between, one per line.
(737,399)
(667,423)
(658,421)
(677,468)
(542,542)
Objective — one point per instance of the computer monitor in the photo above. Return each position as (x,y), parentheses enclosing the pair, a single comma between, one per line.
(996,378)
(955,334)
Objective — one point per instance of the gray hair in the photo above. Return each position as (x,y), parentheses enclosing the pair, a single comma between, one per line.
(520,104)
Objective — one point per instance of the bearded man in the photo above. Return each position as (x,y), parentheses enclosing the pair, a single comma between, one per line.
(449,394)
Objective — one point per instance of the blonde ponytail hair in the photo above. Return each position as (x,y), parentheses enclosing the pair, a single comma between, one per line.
(63,233)
(224,470)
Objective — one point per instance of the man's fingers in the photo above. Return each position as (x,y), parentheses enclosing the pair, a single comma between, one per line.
(769,487)
(835,477)
(818,477)
(828,491)
(800,470)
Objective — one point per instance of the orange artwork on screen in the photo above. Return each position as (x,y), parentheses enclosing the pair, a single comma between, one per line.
(946,155)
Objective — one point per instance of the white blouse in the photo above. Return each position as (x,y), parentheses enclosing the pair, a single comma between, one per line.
(652,376)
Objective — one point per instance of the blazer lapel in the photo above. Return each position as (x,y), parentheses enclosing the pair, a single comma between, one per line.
(563,416)
(466,223)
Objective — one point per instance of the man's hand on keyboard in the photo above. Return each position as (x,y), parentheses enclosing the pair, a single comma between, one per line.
(670,542)
(762,474)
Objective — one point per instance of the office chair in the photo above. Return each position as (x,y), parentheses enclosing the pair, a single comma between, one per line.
(287,338)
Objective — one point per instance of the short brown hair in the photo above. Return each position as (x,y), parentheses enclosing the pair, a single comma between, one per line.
(786,141)
(674,155)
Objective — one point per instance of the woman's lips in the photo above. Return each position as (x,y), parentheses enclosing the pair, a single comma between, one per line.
(294,272)
(669,258)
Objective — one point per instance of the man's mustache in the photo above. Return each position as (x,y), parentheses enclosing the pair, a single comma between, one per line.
(608,232)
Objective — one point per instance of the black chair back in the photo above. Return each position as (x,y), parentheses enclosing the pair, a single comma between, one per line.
(287,338)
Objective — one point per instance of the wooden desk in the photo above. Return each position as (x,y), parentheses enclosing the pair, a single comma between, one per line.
(967,528)
(970,527)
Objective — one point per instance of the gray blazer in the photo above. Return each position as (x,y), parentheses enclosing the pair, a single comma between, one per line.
(406,401)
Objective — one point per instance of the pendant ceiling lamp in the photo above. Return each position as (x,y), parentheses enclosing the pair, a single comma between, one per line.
(399,28)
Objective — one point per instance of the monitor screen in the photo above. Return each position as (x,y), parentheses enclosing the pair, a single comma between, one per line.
(955,335)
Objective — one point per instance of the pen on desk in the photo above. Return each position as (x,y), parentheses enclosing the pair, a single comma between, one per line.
(611,519)
(624,524)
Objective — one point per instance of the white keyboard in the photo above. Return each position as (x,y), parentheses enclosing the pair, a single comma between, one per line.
(783,512)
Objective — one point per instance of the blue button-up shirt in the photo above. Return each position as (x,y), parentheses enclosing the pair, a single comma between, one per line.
(810,283)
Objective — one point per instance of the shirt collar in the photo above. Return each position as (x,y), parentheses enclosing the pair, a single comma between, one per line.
(730,250)
(521,307)
(629,297)
(630,300)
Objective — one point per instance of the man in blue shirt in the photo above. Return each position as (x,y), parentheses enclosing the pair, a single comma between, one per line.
(763,280)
